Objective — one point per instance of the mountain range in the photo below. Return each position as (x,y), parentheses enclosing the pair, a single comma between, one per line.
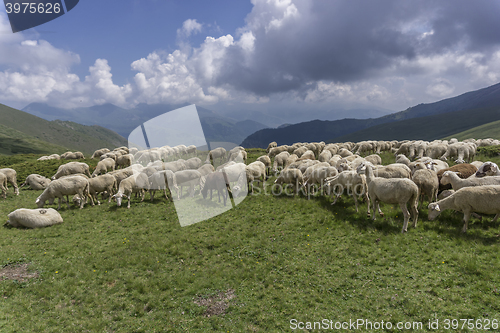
(423,121)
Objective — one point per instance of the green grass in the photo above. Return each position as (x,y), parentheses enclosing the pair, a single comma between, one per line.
(112,269)
(489,130)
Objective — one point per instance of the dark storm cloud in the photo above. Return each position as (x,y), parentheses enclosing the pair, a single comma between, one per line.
(345,41)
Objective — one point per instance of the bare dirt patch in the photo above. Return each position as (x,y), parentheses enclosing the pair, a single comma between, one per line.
(17,272)
(217,304)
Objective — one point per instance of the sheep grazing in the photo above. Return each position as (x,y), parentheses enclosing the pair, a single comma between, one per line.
(3,185)
(99,152)
(481,199)
(308,154)
(193,163)
(388,171)
(189,178)
(64,187)
(393,191)
(104,166)
(162,180)
(255,171)
(280,161)
(290,160)
(450,177)
(402,159)
(352,181)
(124,160)
(267,163)
(374,159)
(103,183)
(11,176)
(34,218)
(427,182)
(205,169)
(276,150)
(217,153)
(488,169)
(72,168)
(271,145)
(290,176)
(36,182)
(72,156)
(216,181)
(316,175)
(136,183)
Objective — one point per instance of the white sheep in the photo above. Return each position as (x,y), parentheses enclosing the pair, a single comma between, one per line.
(189,178)
(72,168)
(99,184)
(349,180)
(193,163)
(393,191)
(34,218)
(316,175)
(402,159)
(373,159)
(291,159)
(136,183)
(104,166)
(11,176)
(217,153)
(325,156)
(36,182)
(3,185)
(271,145)
(206,169)
(276,150)
(280,161)
(162,180)
(487,169)
(267,163)
(124,160)
(427,182)
(255,171)
(482,199)
(308,154)
(99,152)
(290,176)
(450,177)
(64,187)
(387,171)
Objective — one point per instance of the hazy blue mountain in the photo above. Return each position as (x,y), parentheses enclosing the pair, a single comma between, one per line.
(338,130)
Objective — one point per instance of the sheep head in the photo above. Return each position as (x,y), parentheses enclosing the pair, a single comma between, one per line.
(434,211)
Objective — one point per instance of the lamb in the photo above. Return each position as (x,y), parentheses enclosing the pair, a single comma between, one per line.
(104,183)
(216,181)
(290,176)
(64,187)
(271,145)
(136,183)
(267,163)
(104,166)
(3,185)
(216,153)
(189,178)
(488,169)
(34,218)
(427,182)
(36,182)
(72,168)
(280,161)
(482,199)
(393,191)
(450,177)
(354,183)
(11,176)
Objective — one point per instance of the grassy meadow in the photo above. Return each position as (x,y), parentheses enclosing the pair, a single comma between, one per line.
(252,269)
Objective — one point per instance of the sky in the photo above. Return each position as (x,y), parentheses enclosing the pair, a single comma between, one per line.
(260,54)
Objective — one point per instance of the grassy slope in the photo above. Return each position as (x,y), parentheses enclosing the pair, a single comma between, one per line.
(15,142)
(425,128)
(82,138)
(489,130)
(112,269)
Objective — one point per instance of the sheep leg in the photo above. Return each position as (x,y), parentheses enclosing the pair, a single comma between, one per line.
(60,199)
(467,214)
(374,206)
(379,210)
(495,218)
(355,202)
(414,213)
(152,194)
(67,200)
(406,215)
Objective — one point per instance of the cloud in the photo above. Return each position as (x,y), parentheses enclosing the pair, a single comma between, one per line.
(189,27)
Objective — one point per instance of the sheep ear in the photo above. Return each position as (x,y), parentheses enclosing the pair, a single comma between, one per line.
(37,200)
(437,208)
(458,173)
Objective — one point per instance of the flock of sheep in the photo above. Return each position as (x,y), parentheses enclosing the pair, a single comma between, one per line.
(421,169)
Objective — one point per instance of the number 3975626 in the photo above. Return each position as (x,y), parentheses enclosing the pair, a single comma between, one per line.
(32,7)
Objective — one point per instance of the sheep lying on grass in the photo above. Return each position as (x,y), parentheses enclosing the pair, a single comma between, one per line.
(34,218)
(481,199)
(36,182)
(11,175)
(457,183)
(64,187)
(393,191)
